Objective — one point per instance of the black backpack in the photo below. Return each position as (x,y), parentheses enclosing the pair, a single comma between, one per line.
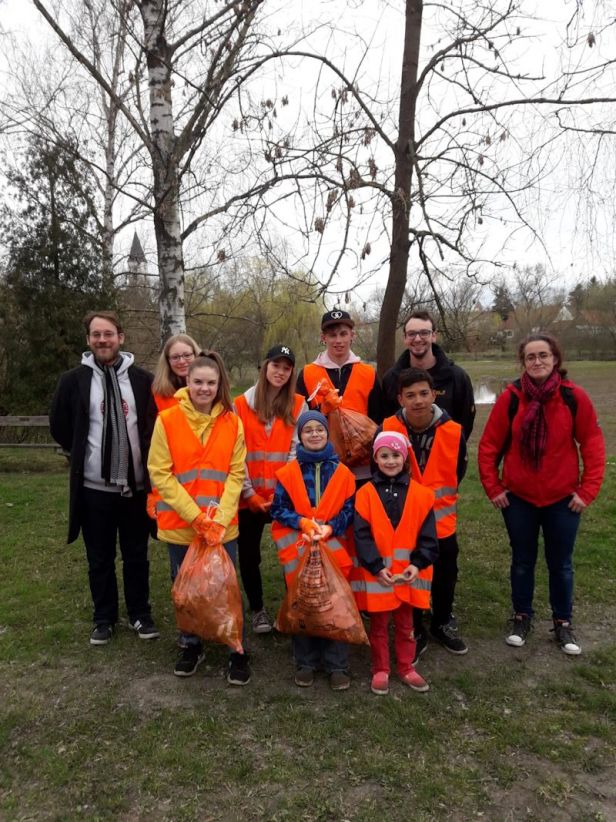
(566,392)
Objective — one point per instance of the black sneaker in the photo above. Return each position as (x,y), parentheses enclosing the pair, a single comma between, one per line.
(101,634)
(145,628)
(520,627)
(421,643)
(447,635)
(189,660)
(563,634)
(239,669)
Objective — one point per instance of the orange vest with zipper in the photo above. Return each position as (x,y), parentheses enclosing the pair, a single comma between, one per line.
(440,473)
(360,384)
(289,543)
(200,469)
(395,547)
(265,453)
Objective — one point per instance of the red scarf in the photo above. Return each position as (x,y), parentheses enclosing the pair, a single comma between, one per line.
(534,425)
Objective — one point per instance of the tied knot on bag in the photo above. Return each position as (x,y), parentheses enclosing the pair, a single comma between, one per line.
(534,429)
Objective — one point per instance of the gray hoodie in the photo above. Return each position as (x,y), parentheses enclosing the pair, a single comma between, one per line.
(92,466)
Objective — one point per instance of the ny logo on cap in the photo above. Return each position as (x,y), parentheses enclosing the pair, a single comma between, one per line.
(336,315)
(284,350)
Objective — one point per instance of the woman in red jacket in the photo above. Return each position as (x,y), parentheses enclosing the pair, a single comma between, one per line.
(539,422)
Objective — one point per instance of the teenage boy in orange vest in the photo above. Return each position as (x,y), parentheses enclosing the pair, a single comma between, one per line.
(314,499)
(352,383)
(438,460)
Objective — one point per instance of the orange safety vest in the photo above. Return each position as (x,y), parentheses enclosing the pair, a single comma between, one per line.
(200,469)
(440,473)
(266,453)
(162,403)
(360,384)
(289,542)
(395,548)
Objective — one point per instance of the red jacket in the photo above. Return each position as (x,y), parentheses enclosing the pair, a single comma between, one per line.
(559,474)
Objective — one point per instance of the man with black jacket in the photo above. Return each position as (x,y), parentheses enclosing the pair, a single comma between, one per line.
(454,390)
(103,414)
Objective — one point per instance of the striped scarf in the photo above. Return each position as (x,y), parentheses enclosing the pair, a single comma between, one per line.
(115,449)
(534,426)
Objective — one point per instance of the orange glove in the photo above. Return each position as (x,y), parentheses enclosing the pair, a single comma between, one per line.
(258,504)
(331,401)
(150,506)
(215,533)
(201,524)
(308,527)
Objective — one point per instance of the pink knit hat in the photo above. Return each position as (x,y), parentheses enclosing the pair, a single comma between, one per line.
(393,440)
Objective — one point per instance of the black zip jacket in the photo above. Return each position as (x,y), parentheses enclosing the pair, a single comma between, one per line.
(454,390)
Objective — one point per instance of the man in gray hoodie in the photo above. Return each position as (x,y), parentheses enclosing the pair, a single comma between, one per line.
(103,414)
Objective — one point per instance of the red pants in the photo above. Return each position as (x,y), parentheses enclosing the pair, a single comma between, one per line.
(404,639)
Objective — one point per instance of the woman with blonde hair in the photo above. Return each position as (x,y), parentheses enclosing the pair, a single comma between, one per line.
(269,412)
(172,369)
(196,461)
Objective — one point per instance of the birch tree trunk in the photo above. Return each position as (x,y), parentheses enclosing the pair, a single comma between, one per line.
(164,158)
(401,199)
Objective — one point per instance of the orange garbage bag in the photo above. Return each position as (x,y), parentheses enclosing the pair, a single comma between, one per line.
(207,596)
(319,601)
(351,434)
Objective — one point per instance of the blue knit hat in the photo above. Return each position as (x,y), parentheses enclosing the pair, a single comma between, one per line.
(307,416)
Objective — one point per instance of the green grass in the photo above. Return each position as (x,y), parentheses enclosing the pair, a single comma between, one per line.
(110,732)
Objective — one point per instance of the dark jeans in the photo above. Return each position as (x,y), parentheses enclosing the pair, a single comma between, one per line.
(559,526)
(105,516)
(444,580)
(443,585)
(176,558)
(249,552)
(309,651)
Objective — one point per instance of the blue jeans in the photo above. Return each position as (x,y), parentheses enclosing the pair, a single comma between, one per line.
(559,525)
(176,558)
(310,650)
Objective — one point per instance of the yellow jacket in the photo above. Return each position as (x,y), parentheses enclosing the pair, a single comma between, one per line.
(160,466)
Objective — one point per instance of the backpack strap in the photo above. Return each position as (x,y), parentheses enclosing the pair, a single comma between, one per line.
(566,392)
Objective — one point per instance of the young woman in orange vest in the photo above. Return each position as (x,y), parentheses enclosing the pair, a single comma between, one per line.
(269,412)
(172,369)
(438,460)
(395,546)
(197,459)
(314,499)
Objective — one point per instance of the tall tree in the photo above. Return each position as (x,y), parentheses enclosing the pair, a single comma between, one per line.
(52,274)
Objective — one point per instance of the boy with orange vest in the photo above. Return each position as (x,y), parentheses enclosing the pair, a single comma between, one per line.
(351,382)
(437,460)
(395,546)
(314,501)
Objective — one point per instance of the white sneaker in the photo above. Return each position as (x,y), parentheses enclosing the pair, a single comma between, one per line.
(563,634)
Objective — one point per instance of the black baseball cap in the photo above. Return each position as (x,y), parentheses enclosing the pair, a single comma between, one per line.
(336,317)
(277,352)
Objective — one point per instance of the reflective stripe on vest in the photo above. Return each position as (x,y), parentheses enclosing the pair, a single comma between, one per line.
(201,469)
(358,388)
(369,593)
(288,541)
(441,470)
(266,453)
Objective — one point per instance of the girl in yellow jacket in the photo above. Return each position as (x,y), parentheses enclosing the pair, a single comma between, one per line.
(197,458)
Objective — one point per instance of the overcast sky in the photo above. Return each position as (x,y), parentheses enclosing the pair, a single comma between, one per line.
(577,230)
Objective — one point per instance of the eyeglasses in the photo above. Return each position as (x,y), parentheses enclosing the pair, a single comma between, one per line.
(542,356)
(424,334)
(177,357)
(104,335)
